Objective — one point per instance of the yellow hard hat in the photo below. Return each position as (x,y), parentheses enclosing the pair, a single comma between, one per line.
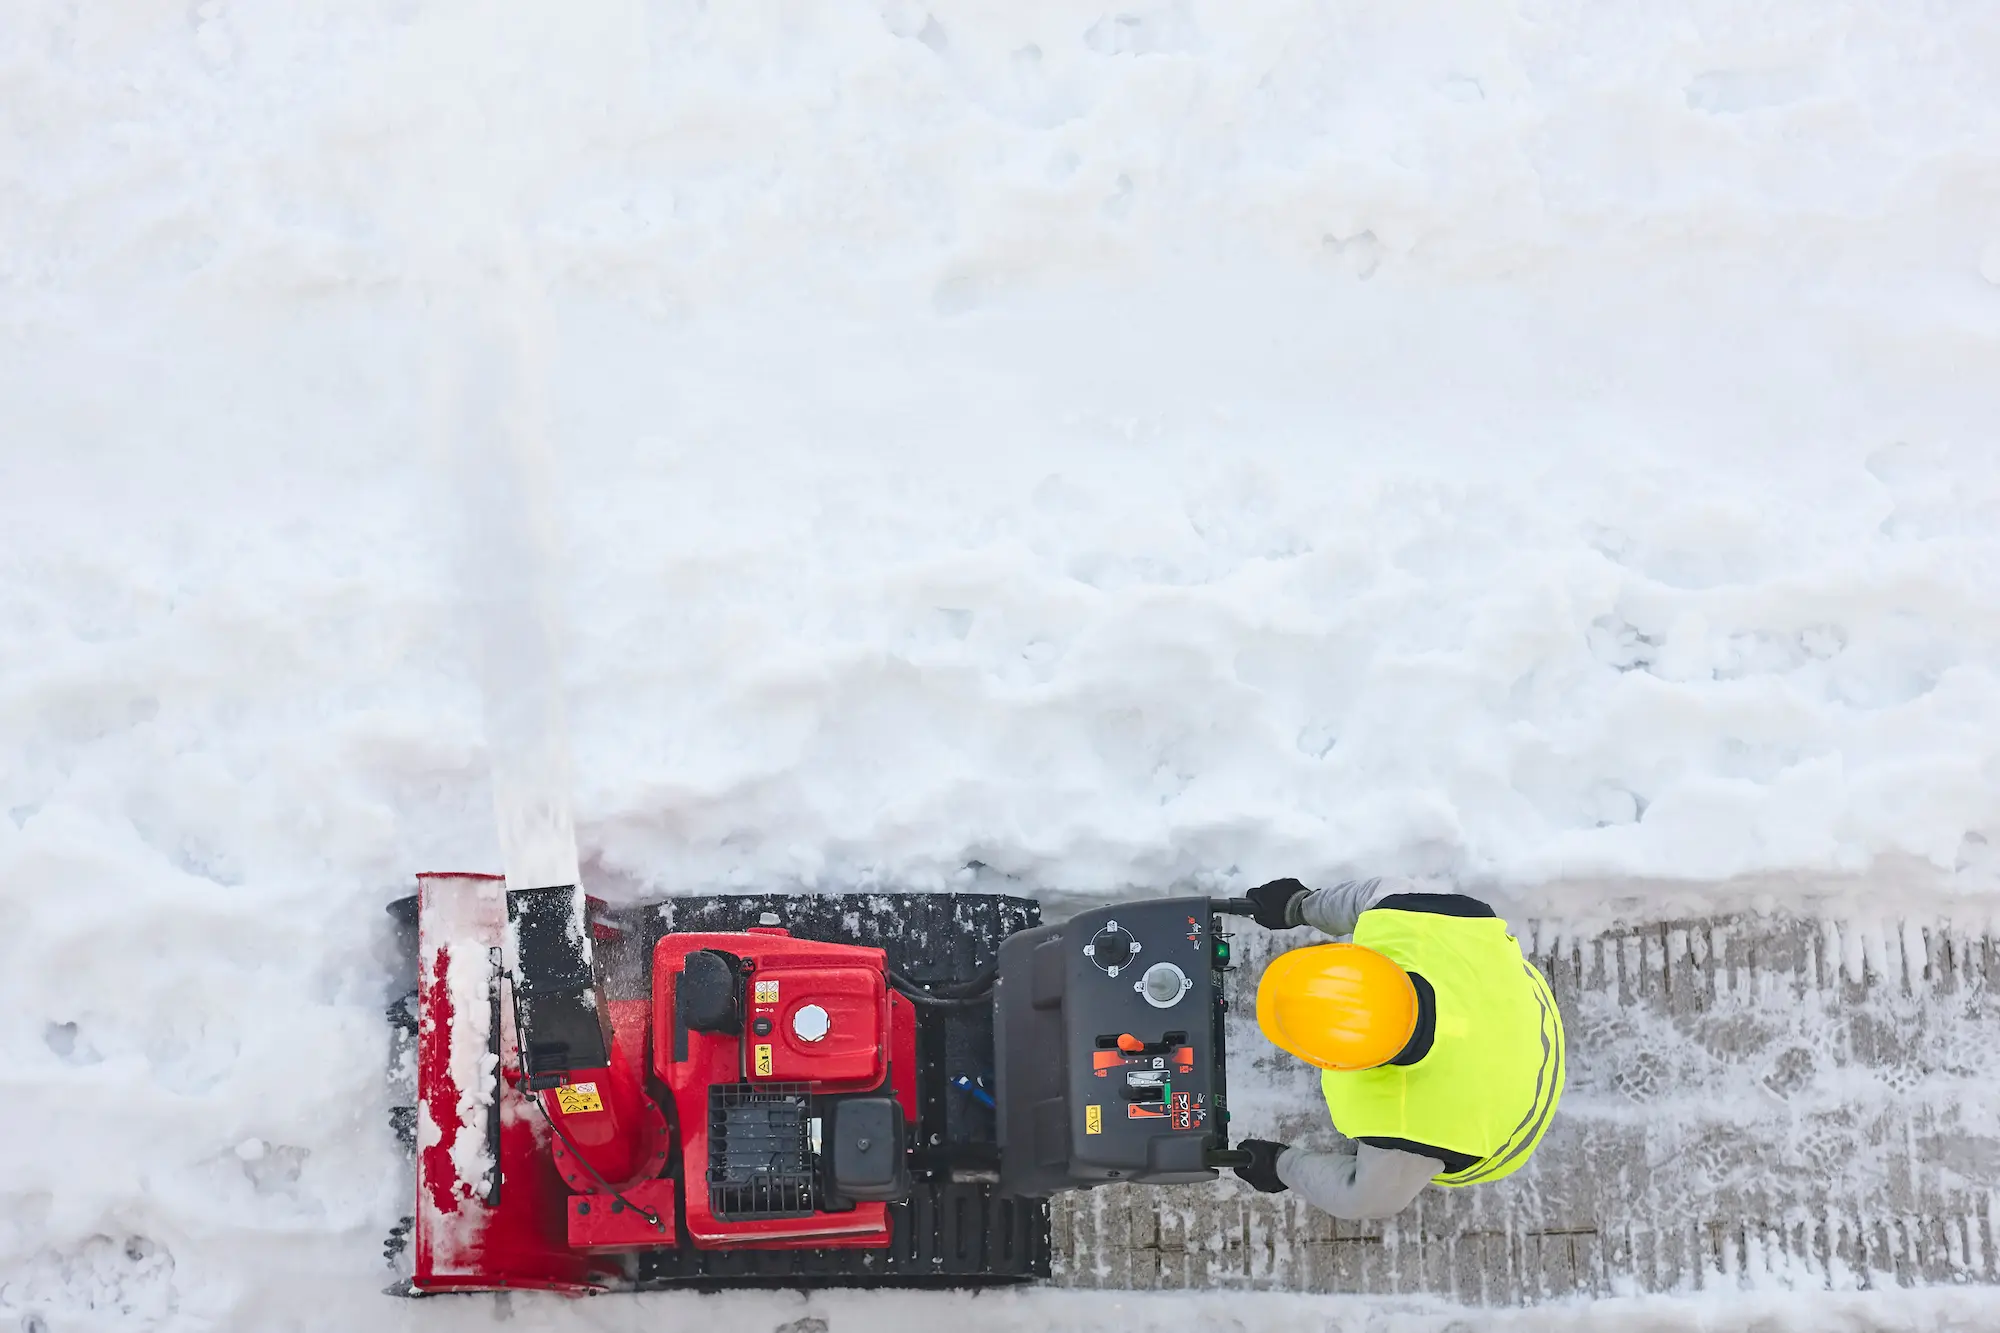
(1338,1006)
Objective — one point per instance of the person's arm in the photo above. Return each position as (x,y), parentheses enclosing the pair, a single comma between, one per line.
(1334,910)
(1368,1182)
(1283,904)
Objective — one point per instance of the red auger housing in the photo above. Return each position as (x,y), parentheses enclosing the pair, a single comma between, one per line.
(793,1090)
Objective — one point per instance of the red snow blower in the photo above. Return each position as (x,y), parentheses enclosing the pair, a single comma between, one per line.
(872,1089)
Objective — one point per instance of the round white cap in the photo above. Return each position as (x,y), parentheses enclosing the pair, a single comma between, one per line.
(810,1023)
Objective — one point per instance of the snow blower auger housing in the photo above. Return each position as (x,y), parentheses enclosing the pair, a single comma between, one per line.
(802,1090)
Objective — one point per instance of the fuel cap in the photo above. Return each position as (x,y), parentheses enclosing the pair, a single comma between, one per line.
(810,1023)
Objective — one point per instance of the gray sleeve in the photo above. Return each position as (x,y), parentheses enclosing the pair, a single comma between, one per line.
(1334,909)
(1369,1182)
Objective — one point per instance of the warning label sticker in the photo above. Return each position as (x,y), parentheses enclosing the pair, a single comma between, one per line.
(1093,1119)
(767,992)
(573,1098)
(1189,1112)
(763,1059)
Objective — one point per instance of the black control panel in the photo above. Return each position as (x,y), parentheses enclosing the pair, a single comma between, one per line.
(1108,1042)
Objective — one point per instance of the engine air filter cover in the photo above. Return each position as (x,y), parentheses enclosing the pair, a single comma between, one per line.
(760,1157)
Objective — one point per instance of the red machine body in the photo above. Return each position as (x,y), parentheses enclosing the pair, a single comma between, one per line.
(617,1156)
(490,1203)
(866,1032)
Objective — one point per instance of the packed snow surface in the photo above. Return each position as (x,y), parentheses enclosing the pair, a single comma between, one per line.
(829,445)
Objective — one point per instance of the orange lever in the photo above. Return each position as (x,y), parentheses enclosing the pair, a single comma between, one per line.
(1130,1044)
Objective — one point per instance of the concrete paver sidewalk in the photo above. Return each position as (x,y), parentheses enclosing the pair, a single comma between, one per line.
(1752,1101)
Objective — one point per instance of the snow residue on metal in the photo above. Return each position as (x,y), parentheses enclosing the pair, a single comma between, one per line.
(471,975)
(461,928)
(451,1234)
(510,946)
(576,929)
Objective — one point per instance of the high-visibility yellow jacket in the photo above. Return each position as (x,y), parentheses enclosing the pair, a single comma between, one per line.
(1481,1097)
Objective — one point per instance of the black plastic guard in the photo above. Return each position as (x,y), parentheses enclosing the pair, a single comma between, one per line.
(556,1002)
(1074,1109)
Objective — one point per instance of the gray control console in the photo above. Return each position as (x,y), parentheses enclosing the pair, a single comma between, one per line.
(1108,1048)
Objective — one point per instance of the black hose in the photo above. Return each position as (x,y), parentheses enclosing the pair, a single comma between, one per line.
(945,996)
(979,983)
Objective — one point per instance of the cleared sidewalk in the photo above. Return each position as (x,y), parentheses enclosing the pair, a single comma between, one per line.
(1753,1102)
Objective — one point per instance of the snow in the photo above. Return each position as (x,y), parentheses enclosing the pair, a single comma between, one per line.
(833,445)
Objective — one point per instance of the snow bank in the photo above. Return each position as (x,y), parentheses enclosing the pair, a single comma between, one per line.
(1113,446)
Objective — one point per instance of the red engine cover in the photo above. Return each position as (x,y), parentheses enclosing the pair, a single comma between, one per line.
(860,1035)
(829,1022)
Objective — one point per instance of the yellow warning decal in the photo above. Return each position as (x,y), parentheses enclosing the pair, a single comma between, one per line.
(763,1059)
(767,992)
(1093,1119)
(572,1098)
